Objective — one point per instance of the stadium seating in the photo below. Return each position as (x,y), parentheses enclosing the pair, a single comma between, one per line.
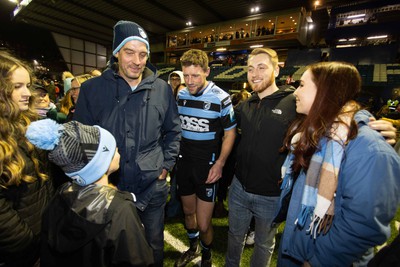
(371,75)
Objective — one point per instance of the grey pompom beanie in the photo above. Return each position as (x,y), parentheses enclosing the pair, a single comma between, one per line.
(83,152)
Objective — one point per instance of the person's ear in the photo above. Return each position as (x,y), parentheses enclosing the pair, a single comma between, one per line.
(208,71)
(276,72)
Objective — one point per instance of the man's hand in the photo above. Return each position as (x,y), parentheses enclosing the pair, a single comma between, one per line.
(385,128)
(163,175)
(215,173)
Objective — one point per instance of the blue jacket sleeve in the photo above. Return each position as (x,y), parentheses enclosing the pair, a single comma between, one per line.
(366,201)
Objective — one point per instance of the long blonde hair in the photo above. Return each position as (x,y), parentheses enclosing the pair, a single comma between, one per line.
(82,78)
(13,127)
(66,103)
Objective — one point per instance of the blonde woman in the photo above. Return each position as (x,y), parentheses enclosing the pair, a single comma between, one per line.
(66,103)
(76,85)
(74,91)
(24,189)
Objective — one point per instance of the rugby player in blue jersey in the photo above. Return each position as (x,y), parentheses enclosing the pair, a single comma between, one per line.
(208,133)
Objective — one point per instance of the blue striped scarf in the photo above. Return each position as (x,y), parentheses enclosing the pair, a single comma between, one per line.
(321,181)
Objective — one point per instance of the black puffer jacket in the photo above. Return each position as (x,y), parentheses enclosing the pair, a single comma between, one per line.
(21,209)
(93,226)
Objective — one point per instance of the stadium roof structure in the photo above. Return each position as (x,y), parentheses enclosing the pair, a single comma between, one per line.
(93,20)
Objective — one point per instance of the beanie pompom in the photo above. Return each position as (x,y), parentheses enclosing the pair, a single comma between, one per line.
(44,134)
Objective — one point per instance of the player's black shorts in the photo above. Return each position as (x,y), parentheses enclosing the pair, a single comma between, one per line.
(191,176)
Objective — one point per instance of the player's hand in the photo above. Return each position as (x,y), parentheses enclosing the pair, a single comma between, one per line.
(215,173)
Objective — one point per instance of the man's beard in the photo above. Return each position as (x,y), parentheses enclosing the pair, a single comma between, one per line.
(259,88)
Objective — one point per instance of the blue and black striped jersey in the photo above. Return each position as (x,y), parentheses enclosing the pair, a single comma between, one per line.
(204,117)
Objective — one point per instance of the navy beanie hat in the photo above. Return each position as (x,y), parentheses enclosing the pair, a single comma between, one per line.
(125,31)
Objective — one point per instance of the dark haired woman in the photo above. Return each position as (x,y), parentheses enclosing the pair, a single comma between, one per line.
(346,177)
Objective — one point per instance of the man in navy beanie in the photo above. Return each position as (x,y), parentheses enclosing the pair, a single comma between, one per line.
(138,108)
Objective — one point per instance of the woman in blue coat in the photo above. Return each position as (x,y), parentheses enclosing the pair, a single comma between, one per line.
(342,176)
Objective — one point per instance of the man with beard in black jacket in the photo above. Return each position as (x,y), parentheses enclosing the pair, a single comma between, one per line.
(263,120)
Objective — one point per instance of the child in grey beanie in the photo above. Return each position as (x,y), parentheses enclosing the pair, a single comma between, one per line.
(88,222)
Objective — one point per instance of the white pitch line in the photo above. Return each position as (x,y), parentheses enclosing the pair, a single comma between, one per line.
(397,225)
(176,243)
